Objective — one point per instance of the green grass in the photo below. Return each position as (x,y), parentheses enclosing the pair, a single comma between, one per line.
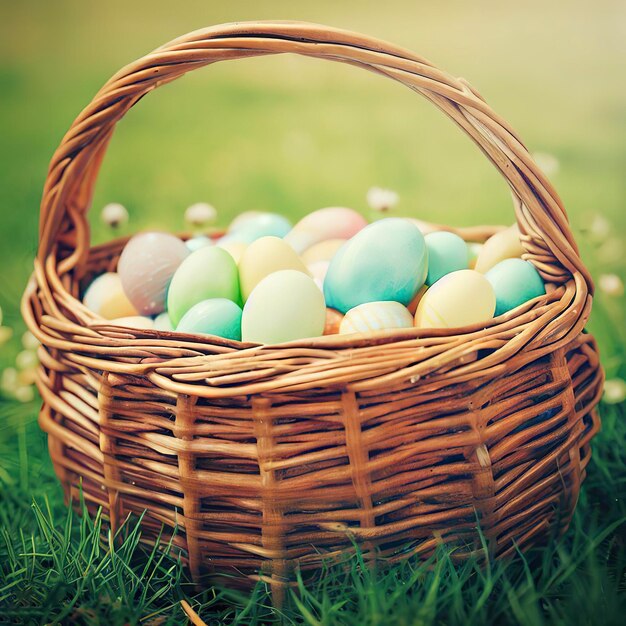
(292,135)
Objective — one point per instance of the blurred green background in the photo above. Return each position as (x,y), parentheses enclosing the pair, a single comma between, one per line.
(291,134)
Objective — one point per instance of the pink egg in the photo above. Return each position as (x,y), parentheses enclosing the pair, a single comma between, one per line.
(146,267)
(318,271)
(329,223)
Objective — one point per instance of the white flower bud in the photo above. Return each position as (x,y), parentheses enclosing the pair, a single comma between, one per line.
(25,393)
(611,284)
(200,214)
(381,199)
(614,391)
(600,228)
(547,163)
(114,215)
(29,341)
(26,359)
(5,334)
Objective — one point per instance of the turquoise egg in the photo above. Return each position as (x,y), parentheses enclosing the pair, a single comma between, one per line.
(217,316)
(209,272)
(387,260)
(447,253)
(260,225)
(195,243)
(514,281)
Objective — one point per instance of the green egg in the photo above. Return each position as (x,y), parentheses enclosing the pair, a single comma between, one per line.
(207,273)
(217,316)
(284,306)
(514,281)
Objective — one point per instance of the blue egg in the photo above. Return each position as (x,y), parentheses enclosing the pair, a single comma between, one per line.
(447,253)
(387,260)
(514,281)
(260,225)
(198,242)
(217,316)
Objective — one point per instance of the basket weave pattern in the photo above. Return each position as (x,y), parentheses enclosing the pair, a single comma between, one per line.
(268,457)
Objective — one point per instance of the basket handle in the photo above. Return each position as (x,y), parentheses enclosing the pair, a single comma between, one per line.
(68,190)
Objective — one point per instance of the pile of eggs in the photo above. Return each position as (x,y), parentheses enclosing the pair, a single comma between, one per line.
(265,281)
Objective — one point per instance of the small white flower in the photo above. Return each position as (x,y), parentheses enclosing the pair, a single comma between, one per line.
(29,341)
(614,391)
(380,199)
(611,284)
(114,215)
(200,213)
(547,163)
(26,359)
(24,394)
(9,379)
(611,251)
(5,334)
(600,227)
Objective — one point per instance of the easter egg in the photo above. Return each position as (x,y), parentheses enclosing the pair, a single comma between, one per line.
(387,260)
(217,316)
(146,267)
(265,256)
(318,271)
(322,251)
(514,281)
(209,272)
(234,247)
(328,223)
(373,316)
(474,250)
(106,297)
(140,322)
(503,245)
(447,253)
(241,218)
(333,321)
(284,306)
(461,298)
(163,322)
(260,225)
(198,242)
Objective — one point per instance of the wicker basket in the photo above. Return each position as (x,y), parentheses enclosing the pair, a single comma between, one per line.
(269,457)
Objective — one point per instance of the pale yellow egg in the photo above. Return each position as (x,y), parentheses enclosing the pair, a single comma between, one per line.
(234,248)
(503,245)
(461,298)
(371,316)
(134,321)
(322,251)
(106,297)
(264,257)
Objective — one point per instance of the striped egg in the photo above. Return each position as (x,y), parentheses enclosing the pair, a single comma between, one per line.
(372,316)
(146,267)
